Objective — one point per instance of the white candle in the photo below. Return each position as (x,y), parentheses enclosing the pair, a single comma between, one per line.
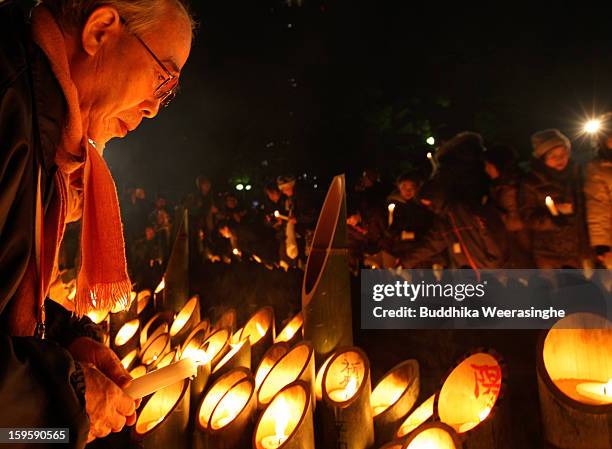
(344,394)
(277,214)
(552,208)
(161,378)
(391,208)
(596,391)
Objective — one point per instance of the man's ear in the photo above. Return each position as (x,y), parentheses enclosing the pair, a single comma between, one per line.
(102,24)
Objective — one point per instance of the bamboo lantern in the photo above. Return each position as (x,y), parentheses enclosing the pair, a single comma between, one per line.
(127,338)
(260,331)
(297,364)
(199,381)
(155,325)
(176,277)
(326,293)
(393,398)
(272,355)
(197,336)
(419,415)
(155,351)
(435,435)
(162,422)
(129,359)
(346,415)
(238,356)
(138,371)
(467,398)
(118,317)
(235,339)
(167,359)
(292,332)
(227,320)
(217,345)
(319,379)
(225,418)
(393,445)
(287,422)
(145,305)
(185,321)
(574,368)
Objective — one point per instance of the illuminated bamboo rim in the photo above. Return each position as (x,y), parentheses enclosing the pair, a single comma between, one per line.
(232,404)
(129,359)
(577,361)
(217,392)
(234,352)
(227,320)
(272,355)
(153,325)
(340,386)
(470,392)
(167,359)
(187,312)
(216,345)
(97,316)
(297,364)
(287,421)
(291,329)
(319,379)
(159,407)
(419,415)
(235,339)
(197,336)
(259,325)
(142,299)
(127,332)
(139,371)
(160,286)
(393,445)
(156,350)
(118,306)
(397,384)
(436,435)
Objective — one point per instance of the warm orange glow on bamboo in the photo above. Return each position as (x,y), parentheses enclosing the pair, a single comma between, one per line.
(161,404)
(160,286)
(234,401)
(129,359)
(183,316)
(227,320)
(387,393)
(297,364)
(421,414)
(127,331)
(272,355)
(341,383)
(167,359)
(217,392)
(216,344)
(280,422)
(293,326)
(142,299)
(437,436)
(236,337)
(97,316)
(158,324)
(578,358)
(197,336)
(319,379)
(156,350)
(139,371)
(230,355)
(258,325)
(470,392)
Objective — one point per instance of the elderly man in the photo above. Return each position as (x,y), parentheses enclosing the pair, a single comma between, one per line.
(72,76)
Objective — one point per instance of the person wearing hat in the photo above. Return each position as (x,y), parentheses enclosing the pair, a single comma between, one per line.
(552,203)
(598,192)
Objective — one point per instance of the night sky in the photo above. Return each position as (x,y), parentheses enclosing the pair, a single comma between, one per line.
(331,87)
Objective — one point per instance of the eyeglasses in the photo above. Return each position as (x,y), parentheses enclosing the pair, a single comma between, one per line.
(167,90)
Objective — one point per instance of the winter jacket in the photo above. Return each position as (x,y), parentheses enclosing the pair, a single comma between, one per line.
(598,192)
(40,384)
(557,241)
(411,222)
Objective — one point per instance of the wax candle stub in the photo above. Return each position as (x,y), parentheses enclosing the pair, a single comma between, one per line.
(598,392)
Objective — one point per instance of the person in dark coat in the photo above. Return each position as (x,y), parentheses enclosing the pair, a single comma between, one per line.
(558,229)
(468,229)
(73,75)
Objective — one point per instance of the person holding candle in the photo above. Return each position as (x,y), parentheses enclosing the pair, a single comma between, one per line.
(73,75)
(558,240)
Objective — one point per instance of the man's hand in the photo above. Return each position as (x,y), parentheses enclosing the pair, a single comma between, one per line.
(87,350)
(107,406)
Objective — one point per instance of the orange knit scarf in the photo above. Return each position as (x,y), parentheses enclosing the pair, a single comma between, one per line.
(102,282)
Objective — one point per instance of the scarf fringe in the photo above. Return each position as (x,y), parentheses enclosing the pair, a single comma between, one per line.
(108,296)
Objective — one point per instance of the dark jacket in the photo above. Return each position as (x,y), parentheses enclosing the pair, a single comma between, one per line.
(411,222)
(556,241)
(39,382)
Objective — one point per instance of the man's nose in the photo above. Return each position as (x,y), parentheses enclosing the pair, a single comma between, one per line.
(150,108)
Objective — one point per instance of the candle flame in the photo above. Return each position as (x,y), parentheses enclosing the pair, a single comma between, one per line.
(236,252)
(260,329)
(351,388)
(199,356)
(281,418)
(276,213)
(391,207)
(161,286)
(256,258)
(484,413)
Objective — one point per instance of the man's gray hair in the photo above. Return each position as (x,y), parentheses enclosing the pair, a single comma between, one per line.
(141,16)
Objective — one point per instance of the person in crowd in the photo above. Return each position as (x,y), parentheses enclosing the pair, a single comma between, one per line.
(272,211)
(356,235)
(74,74)
(468,228)
(161,221)
(202,208)
(552,203)
(232,210)
(502,169)
(147,259)
(136,213)
(598,192)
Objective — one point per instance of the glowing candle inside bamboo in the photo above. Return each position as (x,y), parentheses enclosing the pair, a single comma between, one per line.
(156,349)
(552,207)
(421,414)
(183,316)
(161,404)
(288,411)
(235,349)
(292,327)
(139,371)
(127,331)
(272,355)
(215,395)
(231,404)
(345,393)
(129,359)
(599,392)
(319,379)
(160,286)
(143,299)
(434,438)
(197,336)
(258,325)
(216,344)
(167,359)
